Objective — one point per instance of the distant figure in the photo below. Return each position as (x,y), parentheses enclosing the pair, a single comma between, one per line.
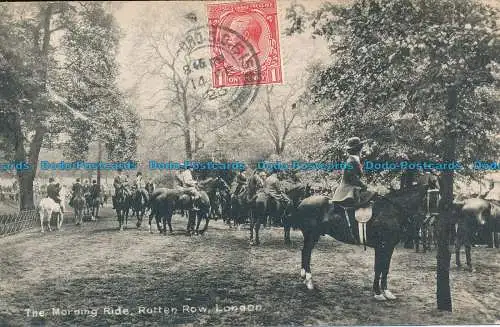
(53,190)
(76,189)
(119,181)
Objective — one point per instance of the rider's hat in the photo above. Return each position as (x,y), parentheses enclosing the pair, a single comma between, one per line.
(51,179)
(139,173)
(94,181)
(355,143)
(78,179)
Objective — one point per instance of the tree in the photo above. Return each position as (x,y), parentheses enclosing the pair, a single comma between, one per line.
(419,66)
(176,81)
(59,66)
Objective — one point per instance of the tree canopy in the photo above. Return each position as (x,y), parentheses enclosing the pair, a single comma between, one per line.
(393,63)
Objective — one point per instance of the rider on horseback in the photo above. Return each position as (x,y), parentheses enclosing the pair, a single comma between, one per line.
(352,191)
(188,184)
(76,189)
(241,180)
(53,190)
(95,190)
(140,186)
(272,187)
(150,186)
(119,182)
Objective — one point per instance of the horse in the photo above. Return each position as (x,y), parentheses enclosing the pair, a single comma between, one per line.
(264,206)
(93,201)
(473,215)
(317,216)
(240,209)
(122,206)
(203,212)
(78,205)
(164,201)
(140,202)
(215,188)
(46,209)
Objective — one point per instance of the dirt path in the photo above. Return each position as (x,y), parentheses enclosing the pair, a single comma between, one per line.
(208,280)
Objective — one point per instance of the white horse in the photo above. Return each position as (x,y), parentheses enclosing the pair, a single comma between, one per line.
(47,208)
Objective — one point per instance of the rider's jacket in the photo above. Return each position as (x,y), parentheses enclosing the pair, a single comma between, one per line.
(139,182)
(254,184)
(53,191)
(119,181)
(95,190)
(272,185)
(186,179)
(77,188)
(150,187)
(351,180)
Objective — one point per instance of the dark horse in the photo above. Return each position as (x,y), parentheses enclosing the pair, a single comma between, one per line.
(241,202)
(164,201)
(140,202)
(265,206)
(93,202)
(218,193)
(123,201)
(317,216)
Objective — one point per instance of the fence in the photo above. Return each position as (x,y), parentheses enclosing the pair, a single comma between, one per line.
(15,223)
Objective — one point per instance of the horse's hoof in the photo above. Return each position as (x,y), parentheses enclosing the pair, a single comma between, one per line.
(380,297)
(309,284)
(388,295)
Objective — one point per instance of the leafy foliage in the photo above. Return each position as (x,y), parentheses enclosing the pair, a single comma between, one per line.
(395,61)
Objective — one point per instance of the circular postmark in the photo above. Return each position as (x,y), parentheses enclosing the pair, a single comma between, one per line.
(220,69)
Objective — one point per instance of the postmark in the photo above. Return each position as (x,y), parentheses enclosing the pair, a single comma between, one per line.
(195,65)
(237,28)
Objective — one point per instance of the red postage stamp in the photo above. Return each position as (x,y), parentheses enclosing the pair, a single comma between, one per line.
(244,43)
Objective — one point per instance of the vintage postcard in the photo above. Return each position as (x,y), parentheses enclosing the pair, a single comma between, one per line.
(250,163)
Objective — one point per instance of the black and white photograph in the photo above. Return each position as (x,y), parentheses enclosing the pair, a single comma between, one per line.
(250,163)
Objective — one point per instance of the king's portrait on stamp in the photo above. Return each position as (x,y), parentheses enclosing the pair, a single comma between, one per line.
(245,40)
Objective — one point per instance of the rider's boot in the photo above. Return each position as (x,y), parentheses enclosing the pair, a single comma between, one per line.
(353,233)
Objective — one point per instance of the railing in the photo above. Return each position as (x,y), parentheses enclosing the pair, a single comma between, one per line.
(15,223)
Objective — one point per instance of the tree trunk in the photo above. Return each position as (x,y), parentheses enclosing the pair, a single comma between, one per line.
(187,144)
(26,199)
(99,159)
(443,291)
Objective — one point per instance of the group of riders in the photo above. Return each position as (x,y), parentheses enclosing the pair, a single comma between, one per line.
(350,194)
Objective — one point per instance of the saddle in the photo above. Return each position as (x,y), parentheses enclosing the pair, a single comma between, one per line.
(362,214)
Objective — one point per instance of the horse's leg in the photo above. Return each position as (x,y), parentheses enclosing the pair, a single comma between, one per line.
(59,220)
(378,268)
(169,222)
(418,239)
(49,219)
(458,244)
(304,251)
(286,227)
(41,220)
(257,228)
(121,217)
(385,271)
(207,220)
(307,252)
(252,226)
